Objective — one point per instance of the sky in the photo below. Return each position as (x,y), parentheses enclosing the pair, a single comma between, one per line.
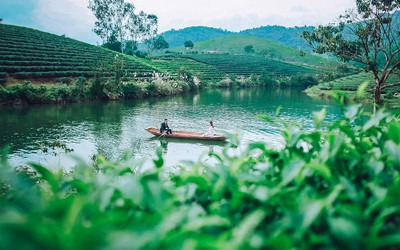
(73,19)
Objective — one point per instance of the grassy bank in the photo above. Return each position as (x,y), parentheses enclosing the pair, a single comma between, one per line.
(348,86)
(335,186)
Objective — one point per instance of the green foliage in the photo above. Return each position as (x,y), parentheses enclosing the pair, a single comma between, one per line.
(266,78)
(130,48)
(335,186)
(188,44)
(305,80)
(368,36)
(141,54)
(117,20)
(249,49)
(132,90)
(353,82)
(97,89)
(115,46)
(159,43)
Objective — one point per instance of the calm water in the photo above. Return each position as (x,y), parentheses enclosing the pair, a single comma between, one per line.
(118,127)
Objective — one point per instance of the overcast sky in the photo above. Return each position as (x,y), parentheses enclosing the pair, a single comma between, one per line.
(72,18)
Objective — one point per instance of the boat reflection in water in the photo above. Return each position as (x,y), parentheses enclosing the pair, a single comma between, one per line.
(210,144)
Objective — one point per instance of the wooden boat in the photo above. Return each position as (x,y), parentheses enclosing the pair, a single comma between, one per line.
(186,135)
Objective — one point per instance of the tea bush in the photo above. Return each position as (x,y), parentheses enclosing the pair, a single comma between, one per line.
(335,186)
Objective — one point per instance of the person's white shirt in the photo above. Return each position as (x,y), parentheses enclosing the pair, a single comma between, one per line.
(210,131)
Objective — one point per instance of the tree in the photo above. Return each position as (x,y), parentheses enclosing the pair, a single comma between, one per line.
(189,44)
(249,49)
(130,47)
(101,10)
(149,24)
(1,20)
(159,43)
(118,18)
(142,27)
(113,44)
(369,35)
(111,16)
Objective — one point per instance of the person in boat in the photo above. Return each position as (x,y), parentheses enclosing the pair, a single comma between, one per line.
(210,131)
(165,128)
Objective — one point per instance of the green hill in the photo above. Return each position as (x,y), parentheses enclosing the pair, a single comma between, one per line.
(280,34)
(176,38)
(283,35)
(31,54)
(262,47)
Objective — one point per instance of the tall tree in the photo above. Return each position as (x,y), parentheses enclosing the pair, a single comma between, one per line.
(369,35)
(118,18)
(103,25)
(149,24)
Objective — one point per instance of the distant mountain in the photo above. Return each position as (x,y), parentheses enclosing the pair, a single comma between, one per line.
(279,34)
(287,36)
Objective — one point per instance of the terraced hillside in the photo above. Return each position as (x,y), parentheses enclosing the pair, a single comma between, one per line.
(245,65)
(173,65)
(353,82)
(262,47)
(27,54)
(31,54)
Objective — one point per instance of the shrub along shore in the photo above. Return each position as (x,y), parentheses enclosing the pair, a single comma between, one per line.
(68,90)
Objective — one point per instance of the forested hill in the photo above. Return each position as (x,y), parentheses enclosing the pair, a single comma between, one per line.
(176,38)
(287,36)
(280,34)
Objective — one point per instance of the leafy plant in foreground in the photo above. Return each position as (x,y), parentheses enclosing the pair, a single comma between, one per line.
(332,187)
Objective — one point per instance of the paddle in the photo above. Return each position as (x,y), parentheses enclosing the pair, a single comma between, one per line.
(163,134)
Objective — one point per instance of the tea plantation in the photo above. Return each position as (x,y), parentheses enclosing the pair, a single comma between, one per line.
(203,70)
(246,65)
(352,82)
(31,54)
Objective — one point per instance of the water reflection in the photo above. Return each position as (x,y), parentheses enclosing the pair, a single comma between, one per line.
(164,142)
(115,127)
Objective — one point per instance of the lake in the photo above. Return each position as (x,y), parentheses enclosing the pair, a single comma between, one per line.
(114,128)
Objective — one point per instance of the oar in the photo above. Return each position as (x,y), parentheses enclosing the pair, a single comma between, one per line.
(163,134)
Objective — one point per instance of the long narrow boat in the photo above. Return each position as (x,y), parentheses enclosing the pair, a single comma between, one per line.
(186,135)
